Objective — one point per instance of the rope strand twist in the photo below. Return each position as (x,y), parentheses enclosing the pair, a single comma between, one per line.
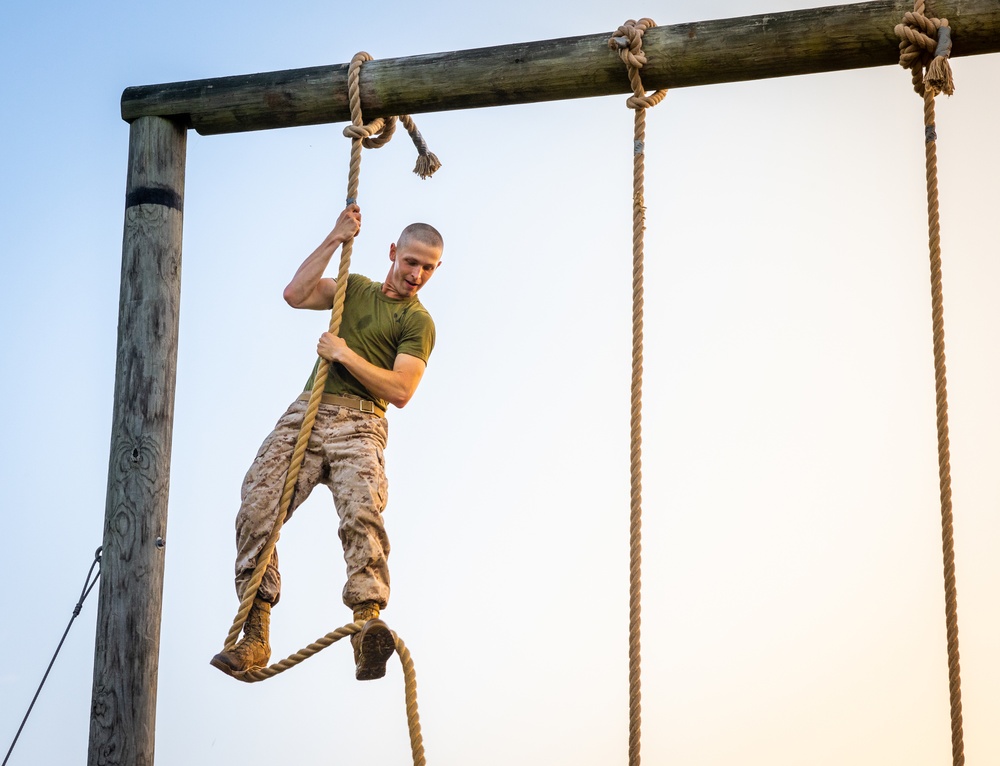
(628,43)
(925,43)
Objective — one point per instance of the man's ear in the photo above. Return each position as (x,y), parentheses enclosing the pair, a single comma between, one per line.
(392,252)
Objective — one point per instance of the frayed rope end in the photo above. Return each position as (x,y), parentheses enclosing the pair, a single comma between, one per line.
(427,164)
(939,77)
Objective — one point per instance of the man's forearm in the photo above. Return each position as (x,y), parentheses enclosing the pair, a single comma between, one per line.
(390,385)
(396,386)
(308,289)
(301,291)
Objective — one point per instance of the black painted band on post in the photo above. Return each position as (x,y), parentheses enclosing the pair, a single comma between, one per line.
(150,195)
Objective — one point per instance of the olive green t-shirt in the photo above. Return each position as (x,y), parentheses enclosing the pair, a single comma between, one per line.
(377,328)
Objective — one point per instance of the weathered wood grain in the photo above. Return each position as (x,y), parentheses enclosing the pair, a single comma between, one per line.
(681,55)
(123,712)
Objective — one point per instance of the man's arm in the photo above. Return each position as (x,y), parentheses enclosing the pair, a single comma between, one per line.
(396,386)
(309,289)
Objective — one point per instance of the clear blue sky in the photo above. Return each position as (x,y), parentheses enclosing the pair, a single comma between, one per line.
(793,608)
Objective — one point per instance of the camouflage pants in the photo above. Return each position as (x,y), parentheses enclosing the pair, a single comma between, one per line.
(345,452)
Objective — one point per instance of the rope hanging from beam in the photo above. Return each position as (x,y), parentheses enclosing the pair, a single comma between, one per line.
(628,42)
(925,44)
(372,135)
(919,50)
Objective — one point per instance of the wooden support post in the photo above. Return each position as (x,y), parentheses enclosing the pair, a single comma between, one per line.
(680,55)
(123,710)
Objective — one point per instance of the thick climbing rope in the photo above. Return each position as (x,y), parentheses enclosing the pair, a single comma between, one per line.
(628,42)
(925,43)
(372,136)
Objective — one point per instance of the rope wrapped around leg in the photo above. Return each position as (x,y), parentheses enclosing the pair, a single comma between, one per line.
(405,659)
(368,135)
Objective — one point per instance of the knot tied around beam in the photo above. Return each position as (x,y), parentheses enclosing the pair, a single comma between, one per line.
(628,42)
(926,42)
(377,133)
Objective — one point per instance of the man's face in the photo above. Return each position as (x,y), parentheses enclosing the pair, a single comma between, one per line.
(413,264)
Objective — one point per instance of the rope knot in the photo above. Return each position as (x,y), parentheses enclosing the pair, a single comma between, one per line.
(628,42)
(377,133)
(375,128)
(926,42)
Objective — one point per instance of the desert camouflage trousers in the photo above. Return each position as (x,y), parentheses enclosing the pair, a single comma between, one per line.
(345,452)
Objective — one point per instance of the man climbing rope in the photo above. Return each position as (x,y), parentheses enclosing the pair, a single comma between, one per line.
(379,358)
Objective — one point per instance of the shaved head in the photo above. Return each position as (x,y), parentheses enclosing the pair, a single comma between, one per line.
(421,232)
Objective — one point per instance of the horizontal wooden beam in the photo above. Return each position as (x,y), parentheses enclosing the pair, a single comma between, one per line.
(681,55)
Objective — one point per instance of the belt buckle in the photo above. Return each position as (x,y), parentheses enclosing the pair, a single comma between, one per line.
(367,406)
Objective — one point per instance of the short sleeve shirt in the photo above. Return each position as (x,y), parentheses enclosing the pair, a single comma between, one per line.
(377,328)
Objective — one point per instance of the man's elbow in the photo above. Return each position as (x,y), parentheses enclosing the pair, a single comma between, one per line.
(404,382)
(292,298)
(400,400)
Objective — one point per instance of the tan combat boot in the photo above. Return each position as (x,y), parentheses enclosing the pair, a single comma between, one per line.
(253,650)
(374,645)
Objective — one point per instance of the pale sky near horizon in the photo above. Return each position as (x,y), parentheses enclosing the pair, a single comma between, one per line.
(793,608)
